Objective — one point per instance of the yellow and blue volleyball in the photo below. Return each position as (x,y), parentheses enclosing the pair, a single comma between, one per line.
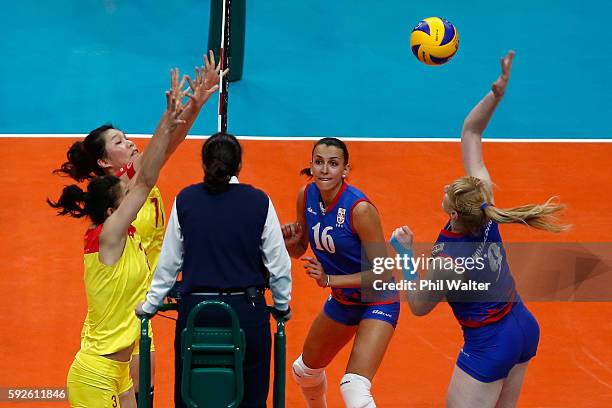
(434,41)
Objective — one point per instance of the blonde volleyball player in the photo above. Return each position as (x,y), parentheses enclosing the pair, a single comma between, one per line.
(107,151)
(116,268)
(500,334)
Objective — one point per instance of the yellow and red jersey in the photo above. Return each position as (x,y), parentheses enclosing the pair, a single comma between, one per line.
(112,294)
(151,220)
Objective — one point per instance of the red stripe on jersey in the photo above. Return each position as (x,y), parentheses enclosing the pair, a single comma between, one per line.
(494,315)
(451,234)
(336,198)
(128,169)
(92,239)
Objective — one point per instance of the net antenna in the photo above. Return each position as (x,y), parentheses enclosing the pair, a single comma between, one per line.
(224,60)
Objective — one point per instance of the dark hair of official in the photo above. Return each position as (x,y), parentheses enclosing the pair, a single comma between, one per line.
(82,157)
(328,141)
(221,157)
(102,193)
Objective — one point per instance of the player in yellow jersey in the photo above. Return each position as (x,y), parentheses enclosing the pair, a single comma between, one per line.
(107,151)
(116,267)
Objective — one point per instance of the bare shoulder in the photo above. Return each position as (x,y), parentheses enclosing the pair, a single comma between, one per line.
(364,210)
(366,222)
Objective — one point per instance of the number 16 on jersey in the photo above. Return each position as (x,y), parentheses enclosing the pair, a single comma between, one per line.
(323,241)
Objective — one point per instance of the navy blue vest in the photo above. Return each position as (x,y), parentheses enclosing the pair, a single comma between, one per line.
(222,237)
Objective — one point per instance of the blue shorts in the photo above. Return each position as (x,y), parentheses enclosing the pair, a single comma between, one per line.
(490,352)
(351,315)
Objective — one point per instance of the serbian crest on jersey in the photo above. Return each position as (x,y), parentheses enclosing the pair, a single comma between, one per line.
(340,216)
(437,249)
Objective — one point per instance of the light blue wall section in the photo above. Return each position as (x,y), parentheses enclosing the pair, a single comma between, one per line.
(312,68)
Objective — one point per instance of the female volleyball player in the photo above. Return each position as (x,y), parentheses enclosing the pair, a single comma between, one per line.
(117,273)
(500,334)
(338,221)
(107,151)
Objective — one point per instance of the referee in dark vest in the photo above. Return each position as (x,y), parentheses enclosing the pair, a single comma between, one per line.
(226,239)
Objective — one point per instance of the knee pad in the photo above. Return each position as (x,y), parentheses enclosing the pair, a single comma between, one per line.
(305,376)
(312,382)
(355,390)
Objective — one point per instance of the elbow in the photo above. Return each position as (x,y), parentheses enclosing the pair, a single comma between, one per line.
(296,251)
(467,125)
(419,312)
(470,131)
(419,308)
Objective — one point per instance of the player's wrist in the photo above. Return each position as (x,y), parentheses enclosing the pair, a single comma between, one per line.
(399,247)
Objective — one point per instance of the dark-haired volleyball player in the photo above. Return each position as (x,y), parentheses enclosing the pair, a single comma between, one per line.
(116,267)
(338,221)
(107,151)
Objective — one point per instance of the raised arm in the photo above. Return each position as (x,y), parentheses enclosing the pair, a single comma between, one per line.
(112,238)
(476,122)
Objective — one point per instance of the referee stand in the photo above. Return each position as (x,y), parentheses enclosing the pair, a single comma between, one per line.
(232,391)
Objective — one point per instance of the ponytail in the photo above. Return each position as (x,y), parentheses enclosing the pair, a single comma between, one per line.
(539,216)
(102,194)
(71,202)
(82,157)
(470,197)
(222,157)
(306,172)
(217,176)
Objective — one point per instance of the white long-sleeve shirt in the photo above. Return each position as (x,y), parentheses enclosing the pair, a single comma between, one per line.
(273,253)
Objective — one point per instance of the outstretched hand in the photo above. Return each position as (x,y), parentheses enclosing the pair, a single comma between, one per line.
(206,81)
(499,86)
(174,101)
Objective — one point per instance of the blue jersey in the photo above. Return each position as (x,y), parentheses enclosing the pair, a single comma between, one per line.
(476,308)
(331,236)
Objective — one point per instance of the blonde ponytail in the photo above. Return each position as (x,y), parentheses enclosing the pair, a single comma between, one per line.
(471,198)
(539,216)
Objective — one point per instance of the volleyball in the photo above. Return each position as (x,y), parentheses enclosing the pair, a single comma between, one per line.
(434,41)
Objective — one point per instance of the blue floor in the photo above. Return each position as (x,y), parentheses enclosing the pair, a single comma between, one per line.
(312,68)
